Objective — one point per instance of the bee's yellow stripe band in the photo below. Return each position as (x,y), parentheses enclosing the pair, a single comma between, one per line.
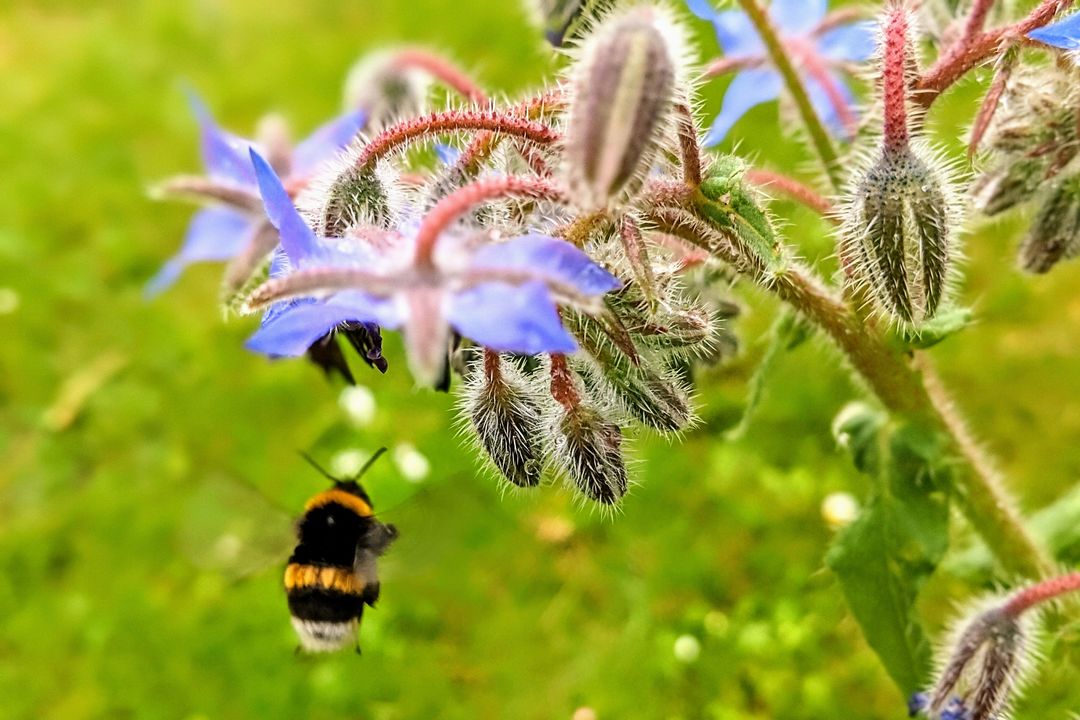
(343,580)
(357,505)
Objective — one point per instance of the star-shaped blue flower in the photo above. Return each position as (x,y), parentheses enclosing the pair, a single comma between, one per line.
(1064,34)
(501,295)
(221,231)
(819,51)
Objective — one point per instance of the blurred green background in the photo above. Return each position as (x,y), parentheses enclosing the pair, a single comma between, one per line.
(705,598)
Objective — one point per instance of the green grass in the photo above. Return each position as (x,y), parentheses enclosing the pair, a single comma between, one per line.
(516,606)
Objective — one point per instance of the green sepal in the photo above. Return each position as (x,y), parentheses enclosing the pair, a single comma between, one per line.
(731,207)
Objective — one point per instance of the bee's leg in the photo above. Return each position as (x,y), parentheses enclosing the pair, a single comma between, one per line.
(358,651)
(371,594)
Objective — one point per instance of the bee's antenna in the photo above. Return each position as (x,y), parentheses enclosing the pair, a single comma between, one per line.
(322,471)
(320,468)
(371,461)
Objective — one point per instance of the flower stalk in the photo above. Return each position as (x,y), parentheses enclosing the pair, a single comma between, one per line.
(819,135)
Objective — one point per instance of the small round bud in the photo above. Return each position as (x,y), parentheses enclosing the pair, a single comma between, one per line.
(899,232)
(1055,233)
(564,21)
(623,87)
(384,89)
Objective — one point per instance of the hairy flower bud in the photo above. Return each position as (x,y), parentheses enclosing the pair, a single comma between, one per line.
(384,89)
(643,390)
(564,21)
(1034,135)
(345,196)
(1055,233)
(623,87)
(898,233)
(1007,186)
(505,418)
(986,659)
(590,450)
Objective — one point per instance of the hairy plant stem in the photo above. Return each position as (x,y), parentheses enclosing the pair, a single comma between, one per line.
(906,388)
(819,136)
(443,70)
(974,47)
(459,202)
(408,131)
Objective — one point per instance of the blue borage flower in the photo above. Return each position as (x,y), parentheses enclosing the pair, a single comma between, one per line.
(1064,34)
(955,709)
(819,49)
(221,232)
(502,295)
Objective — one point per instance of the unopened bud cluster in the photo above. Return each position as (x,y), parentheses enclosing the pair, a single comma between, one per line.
(1034,144)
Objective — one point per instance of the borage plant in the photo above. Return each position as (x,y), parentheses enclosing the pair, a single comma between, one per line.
(556,258)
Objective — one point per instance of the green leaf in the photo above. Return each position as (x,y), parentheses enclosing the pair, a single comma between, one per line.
(885,556)
(947,322)
(789,331)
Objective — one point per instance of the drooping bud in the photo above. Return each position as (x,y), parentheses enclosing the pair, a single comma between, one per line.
(1055,233)
(1007,186)
(564,21)
(583,443)
(900,220)
(1034,135)
(985,662)
(623,87)
(506,419)
(643,390)
(384,89)
(590,449)
(274,137)
(345,196)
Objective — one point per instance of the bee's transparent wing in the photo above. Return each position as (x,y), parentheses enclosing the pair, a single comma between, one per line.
(234,529)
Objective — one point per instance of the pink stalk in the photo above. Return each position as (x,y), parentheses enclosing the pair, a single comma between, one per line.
(688,145)
(1041,592)
(406,131)
(990,102)
(459,202)
(562,383)
(443,70)
(816,68)
(894,78)
(792,188)
(725,65)
(963,56)
(528,108)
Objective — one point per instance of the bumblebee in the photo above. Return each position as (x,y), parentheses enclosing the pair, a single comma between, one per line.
(331,576)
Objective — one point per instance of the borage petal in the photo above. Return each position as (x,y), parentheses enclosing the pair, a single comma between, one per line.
(327,140)
(297,239)
(856,42)
(214,234)
(734,31)
(510,318)
(797,17)
(828,104)
(290,330)
(749,89)
(549,259)
(1064,34)
(225,155)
